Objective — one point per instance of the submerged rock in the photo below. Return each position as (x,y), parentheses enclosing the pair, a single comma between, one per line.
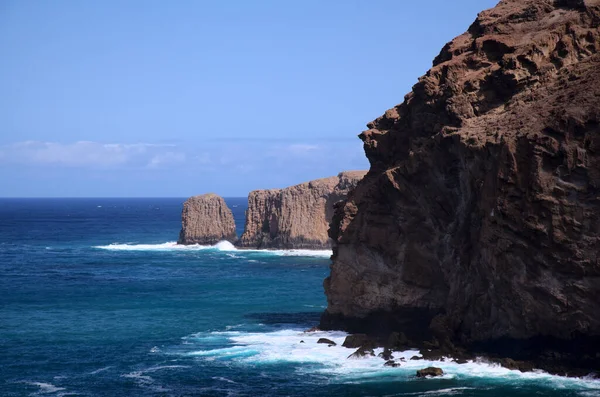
(391,363)
(206,220)
(364,351)
(430,371)
(482,203)
(327,342)
(386,354)
(296,217)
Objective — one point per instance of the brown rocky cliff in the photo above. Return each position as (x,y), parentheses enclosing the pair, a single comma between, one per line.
(206,219)
(297,216)
(482,205)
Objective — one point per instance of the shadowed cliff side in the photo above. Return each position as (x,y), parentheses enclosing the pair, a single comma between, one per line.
(479,220)
(206,220)
(296,217)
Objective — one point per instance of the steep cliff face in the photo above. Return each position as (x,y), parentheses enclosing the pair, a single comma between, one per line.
(297,216)
(206,219)
(479,219)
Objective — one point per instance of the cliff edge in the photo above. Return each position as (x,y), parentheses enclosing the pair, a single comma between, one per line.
(206,219)
(296,217)
(479,220)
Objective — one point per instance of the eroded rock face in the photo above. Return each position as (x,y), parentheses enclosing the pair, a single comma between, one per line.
(297,216)
(206,219)
(479,219)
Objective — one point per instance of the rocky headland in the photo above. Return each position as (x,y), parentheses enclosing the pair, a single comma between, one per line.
(296,217)
(477,227)
(206,220)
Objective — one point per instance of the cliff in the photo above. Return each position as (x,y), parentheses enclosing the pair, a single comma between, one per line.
(479,220)
(297,216)
(206,219)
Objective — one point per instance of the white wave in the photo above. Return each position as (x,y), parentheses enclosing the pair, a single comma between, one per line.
(168,246)
(298,347)
(139,377)
(100,370)
(224,246)
(46,388)
(222,379)
(161,367)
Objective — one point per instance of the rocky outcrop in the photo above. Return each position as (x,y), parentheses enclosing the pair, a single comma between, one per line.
(429,371)
(206,219)
(297,216)
(479,221)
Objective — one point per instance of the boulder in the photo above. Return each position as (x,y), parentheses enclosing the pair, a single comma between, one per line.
(429,371)
(357,340)
(326,341)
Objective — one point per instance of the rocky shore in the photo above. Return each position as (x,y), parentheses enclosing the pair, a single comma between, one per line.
(477,227)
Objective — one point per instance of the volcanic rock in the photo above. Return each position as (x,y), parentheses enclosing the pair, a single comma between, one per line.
(327,341)
(361,352)
(357,340)
(482,203)
(429,371)
(295,217)
(206,219)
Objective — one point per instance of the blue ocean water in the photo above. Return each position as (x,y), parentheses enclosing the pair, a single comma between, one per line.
(97,300)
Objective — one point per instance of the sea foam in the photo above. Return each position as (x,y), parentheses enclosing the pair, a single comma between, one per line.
(285,346)
(223,246)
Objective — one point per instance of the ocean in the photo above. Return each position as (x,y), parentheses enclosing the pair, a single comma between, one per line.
(96,299)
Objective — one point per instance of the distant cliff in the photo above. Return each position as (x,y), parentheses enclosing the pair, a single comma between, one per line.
(206,219)
(479,220)
(297,216)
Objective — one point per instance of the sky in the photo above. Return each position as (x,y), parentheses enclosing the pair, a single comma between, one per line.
(144,98)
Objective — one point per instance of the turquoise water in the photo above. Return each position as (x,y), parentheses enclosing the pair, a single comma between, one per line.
(96,300)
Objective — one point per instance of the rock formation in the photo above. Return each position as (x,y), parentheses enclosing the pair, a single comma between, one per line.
(479,220)
(297,216)
(206,219)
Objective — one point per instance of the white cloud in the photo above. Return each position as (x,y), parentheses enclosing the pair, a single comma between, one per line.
(167,158)
(86,154)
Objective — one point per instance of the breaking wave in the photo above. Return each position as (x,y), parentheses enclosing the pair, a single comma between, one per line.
(291,346)
(224,246)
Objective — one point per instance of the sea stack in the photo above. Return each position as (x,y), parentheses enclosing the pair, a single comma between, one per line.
(296,217)
(479,220)
(206,219)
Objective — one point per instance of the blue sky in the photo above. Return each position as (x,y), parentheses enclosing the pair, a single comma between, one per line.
(156,98)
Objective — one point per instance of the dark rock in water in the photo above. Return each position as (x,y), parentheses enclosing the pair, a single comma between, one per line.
(363,352)
(357,340)
(397,341)
(386,354)
(326,341)
(297,216)
(430,371)
(206,219)
(480,213)
(391,363)
(301,341)
(416,358)
(522,366)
